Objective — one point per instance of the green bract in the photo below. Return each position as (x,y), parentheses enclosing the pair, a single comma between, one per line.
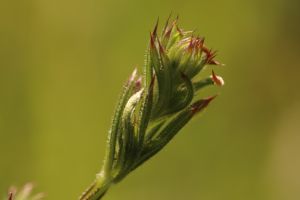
(152,110)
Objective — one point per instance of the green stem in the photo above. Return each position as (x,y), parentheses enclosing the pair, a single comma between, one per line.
(98,189)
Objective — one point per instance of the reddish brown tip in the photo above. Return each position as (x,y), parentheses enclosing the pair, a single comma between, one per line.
(179,30)
(152,41)
(191,44)
(169,29)
(168,32)
(201,104)
(161,48)
(200,43)
(210,55)
(167,24)
(155,28)
(218,80)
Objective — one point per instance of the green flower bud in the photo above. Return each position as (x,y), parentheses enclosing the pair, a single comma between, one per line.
(154,108)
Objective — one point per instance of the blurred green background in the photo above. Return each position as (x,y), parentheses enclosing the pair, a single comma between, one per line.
(62,66)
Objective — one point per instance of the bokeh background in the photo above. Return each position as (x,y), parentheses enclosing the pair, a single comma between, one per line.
(63,63)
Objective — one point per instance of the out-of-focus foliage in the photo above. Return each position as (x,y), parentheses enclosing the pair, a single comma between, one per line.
(61,67)
(25,193)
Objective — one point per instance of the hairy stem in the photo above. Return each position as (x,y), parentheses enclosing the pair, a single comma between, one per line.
(98,189)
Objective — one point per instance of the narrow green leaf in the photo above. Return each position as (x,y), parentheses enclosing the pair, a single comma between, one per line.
(153,131)
(164,79)
(145,112)
(193,71)
(171,129)
(129,137)
(148,70)
(112,135)
(158,143)
(175,37)
(202,83)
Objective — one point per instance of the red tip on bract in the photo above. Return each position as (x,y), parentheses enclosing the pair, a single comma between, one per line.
(201,42)
(218,80)
(191,44)
(210,55)
(195,44)
(167,24)
(161,48)
(168,29)
(155,28)
(152,41)
(179,30)
(168,32)
(201,104)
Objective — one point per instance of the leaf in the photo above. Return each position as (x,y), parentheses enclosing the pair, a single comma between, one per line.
(111,142)
(193,71)
(202,83)
(129,137)
(145,113)
(171,129)
(148,70)
(153,131)
(162,73)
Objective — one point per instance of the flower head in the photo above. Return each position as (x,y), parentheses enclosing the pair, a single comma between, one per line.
(176,57)
(154,108)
